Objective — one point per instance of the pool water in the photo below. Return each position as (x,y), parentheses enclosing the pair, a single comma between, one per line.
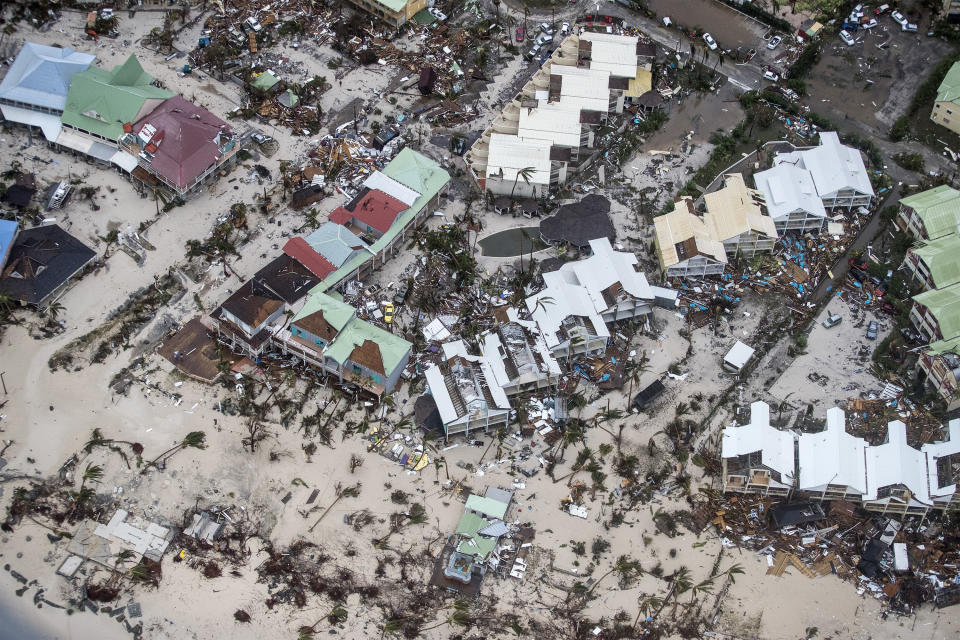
(512,242)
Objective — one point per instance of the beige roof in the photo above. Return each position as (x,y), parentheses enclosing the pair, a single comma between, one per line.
(683,231)
(510,154)
(614,53)
(557,123)
(737,209)
(640,84)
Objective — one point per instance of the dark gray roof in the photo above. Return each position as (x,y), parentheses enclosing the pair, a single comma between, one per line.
(42,259)
(579,223)
(286,278)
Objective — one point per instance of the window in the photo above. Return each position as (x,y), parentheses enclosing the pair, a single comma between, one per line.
(356,368)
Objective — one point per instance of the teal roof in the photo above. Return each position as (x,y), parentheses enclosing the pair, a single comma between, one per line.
(392,348)
(949,89)
(474,544)
(265,81)
(944,305)
(487,506)
(335,312)
(412,170)
(938,208)
(942,257)
(101,101)
(335,242)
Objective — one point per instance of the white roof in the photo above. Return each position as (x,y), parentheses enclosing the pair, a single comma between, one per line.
(438,389)
(739,355)
(557,123)
(48,123)
(523,345)
(896,463)
(435,331)
(583,88)
(936,450)
(391,187)
(41,75)
(509,154)
(788,188)
(776,446)
(832,456)
(833,166)
(576,289)
(614,53)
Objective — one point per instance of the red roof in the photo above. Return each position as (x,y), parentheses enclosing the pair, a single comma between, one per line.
(185,139)
(375,209)
(299,250)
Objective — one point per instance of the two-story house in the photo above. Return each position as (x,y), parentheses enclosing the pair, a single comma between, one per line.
(930,214)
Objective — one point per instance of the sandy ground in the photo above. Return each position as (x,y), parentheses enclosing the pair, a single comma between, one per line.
(51,414)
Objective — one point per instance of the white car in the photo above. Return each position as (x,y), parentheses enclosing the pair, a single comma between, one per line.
(710,41)
(774,42)
(252,24)
(869,24)
(770,75)
(565,28)
(436,13)
(898,18)
(546,28)
(846,37)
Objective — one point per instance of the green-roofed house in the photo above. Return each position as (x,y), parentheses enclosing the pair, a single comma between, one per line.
(326,334)
(412,179)
(946,108)
(940,365)
(391,12)
(101,103)
(267,82)
(935,264)
(936,313)
(930,214)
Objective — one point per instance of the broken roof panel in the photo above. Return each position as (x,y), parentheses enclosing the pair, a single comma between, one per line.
(374,208)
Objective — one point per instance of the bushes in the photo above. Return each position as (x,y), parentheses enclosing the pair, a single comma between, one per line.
(909,161)
(900,129)
(763,16)
(805,61)
(924,97)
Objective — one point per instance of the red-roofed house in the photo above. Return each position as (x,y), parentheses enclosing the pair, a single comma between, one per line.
(180,145)
(298,249)
(372,211)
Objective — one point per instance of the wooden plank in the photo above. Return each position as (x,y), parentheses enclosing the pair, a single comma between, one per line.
(779,564)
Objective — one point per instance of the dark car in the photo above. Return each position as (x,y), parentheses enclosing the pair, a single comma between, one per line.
(401,295)
(872,330)
(858,263)
(889,309)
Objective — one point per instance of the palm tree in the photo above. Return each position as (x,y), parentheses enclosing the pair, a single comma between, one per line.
(193,440)
(625,566)
(53,310)
(634,372)
(526,173)
(460,616)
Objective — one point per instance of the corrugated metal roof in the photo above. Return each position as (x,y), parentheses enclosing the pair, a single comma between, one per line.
(679,226)
(788,188)
(949,89)
(510,154)
(942,257)
(944,305)
(336,312)
(298,249)
(334,242)
(833,166)
(937,208)
(555,123)
(41,75)
(386,184)
(614,53)
(392,348)
(735,209)
(584,88)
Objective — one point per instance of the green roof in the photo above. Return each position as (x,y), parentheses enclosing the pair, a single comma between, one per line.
(944,305)
(265,81)
(335,312)
(487,506)
(944,346)
(949,89)
(424,17)
(942,257)
(395,6)
(412,170)
(392,348)
(938,208)
(474,544)
(101,101)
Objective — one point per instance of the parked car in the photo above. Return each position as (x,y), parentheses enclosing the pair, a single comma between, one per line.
(106,14)
(261,138)
(372,290)
(546,28)
(889,309)
(910,335)
(869,24)
(565,28)
(710,41)
(872,330)
(401,296)
(911,27)
(769,74)
(858,263)
(534,51)
(521,34)
(832,320)
(388,311)
(543,39)
(436,13)
(252,25)
(898,18)
(774,42)
(882,9)
(846,37)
